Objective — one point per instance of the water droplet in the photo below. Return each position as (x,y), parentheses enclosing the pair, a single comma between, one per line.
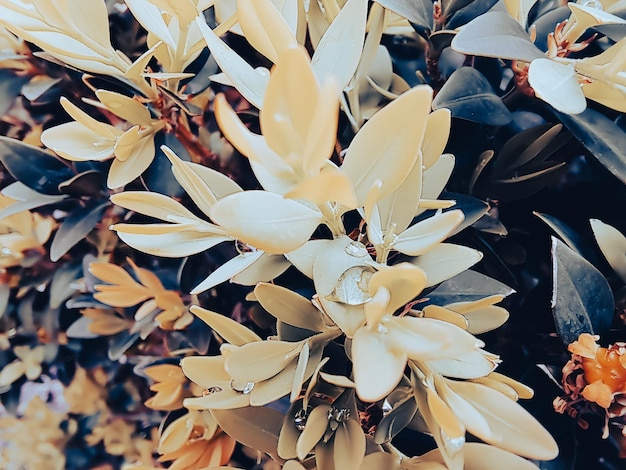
(452,445)
(211,390)
(300,419)
(240,386)
(356,249)
(352,286)
(593,4)
(382,329)
(7,251)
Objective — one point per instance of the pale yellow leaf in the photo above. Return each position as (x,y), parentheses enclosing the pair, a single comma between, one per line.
(299,377)
(154,205)
(436,134)
(347,30)
(74,141)
(264,269)
(404,282)
(445,261)
(316,425)
(349,445)
(328,185)
(303,257)
(436,177)
(289,307)
(170,244)
(264,28)
(228,270)
(384,150)
(424,235)
(124,107)
(266,220)
(219,184)
(244,78)
(470,365)
(233,332)
(613,245)
(11,372)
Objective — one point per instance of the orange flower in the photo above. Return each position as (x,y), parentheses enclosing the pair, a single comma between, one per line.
(599,393)
(585,346)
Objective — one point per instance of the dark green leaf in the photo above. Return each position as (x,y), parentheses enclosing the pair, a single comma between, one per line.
(582,301)
(88,183)
(10,86)
(396,420)
(564,231)
(76,227)
(602,137)
(467,287)
(469,96)
(466,14)
(159,177)
(36,168)
(63,283)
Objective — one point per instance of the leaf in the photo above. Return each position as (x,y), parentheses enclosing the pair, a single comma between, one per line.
(266,220)
(228,270)
(10,86)
(384,151)
(349,445)
(124,107)
(265,28)
(602,137)
(63,284)
(557,84)
(613,245)
(582,301)
(421,237)
(339,51)
(233,332)
(496,34)
(37,169)
(395,420)
(469,95)
(513,428)
(468,286)
(264,269)
(250,83)
(169,240)
(445,261)
(76,227)
(419,12)
(289,307)
(154,205)
(316,425)
(255,427)
(261,360)
(565,232)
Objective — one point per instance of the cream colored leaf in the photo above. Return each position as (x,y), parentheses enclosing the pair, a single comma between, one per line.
(436,136)
(421,237)
(154,205)
(404,282)
(321,137)
(150,17)
(347,30)
(470,365)
(100,128)
(328,185)
(111,273)
(244,78)
(228,270)
(140,155)
(266,220)
(484,457)
(613,245)
(233,332)
(289,307)
(205,371)
(439,313)
(266,268)
(516,430)
(485,319)
(376,369)
(124,107)
(219,184)
(175,244)
(316,425)
(299,377)
(176,434)
(304,257)
(399,207)
(264,28)
(261,360)
(290,100)
(436,177)
(349,445)
(11,372)
(191,182)
(384,150)
(523,391)
(445,261)
(557,85)
(251,145)
(73,141)
(442,413)
(380,460)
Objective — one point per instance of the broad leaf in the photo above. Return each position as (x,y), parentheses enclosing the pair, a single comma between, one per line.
(469,95)
(76,227)
(582,301)
(36,168)
(233,332)
(613,246)
(496,34)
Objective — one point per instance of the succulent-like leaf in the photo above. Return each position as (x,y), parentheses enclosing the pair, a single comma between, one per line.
(445,261)
(233,332)
(582,301)
(613,246)
(266,220)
